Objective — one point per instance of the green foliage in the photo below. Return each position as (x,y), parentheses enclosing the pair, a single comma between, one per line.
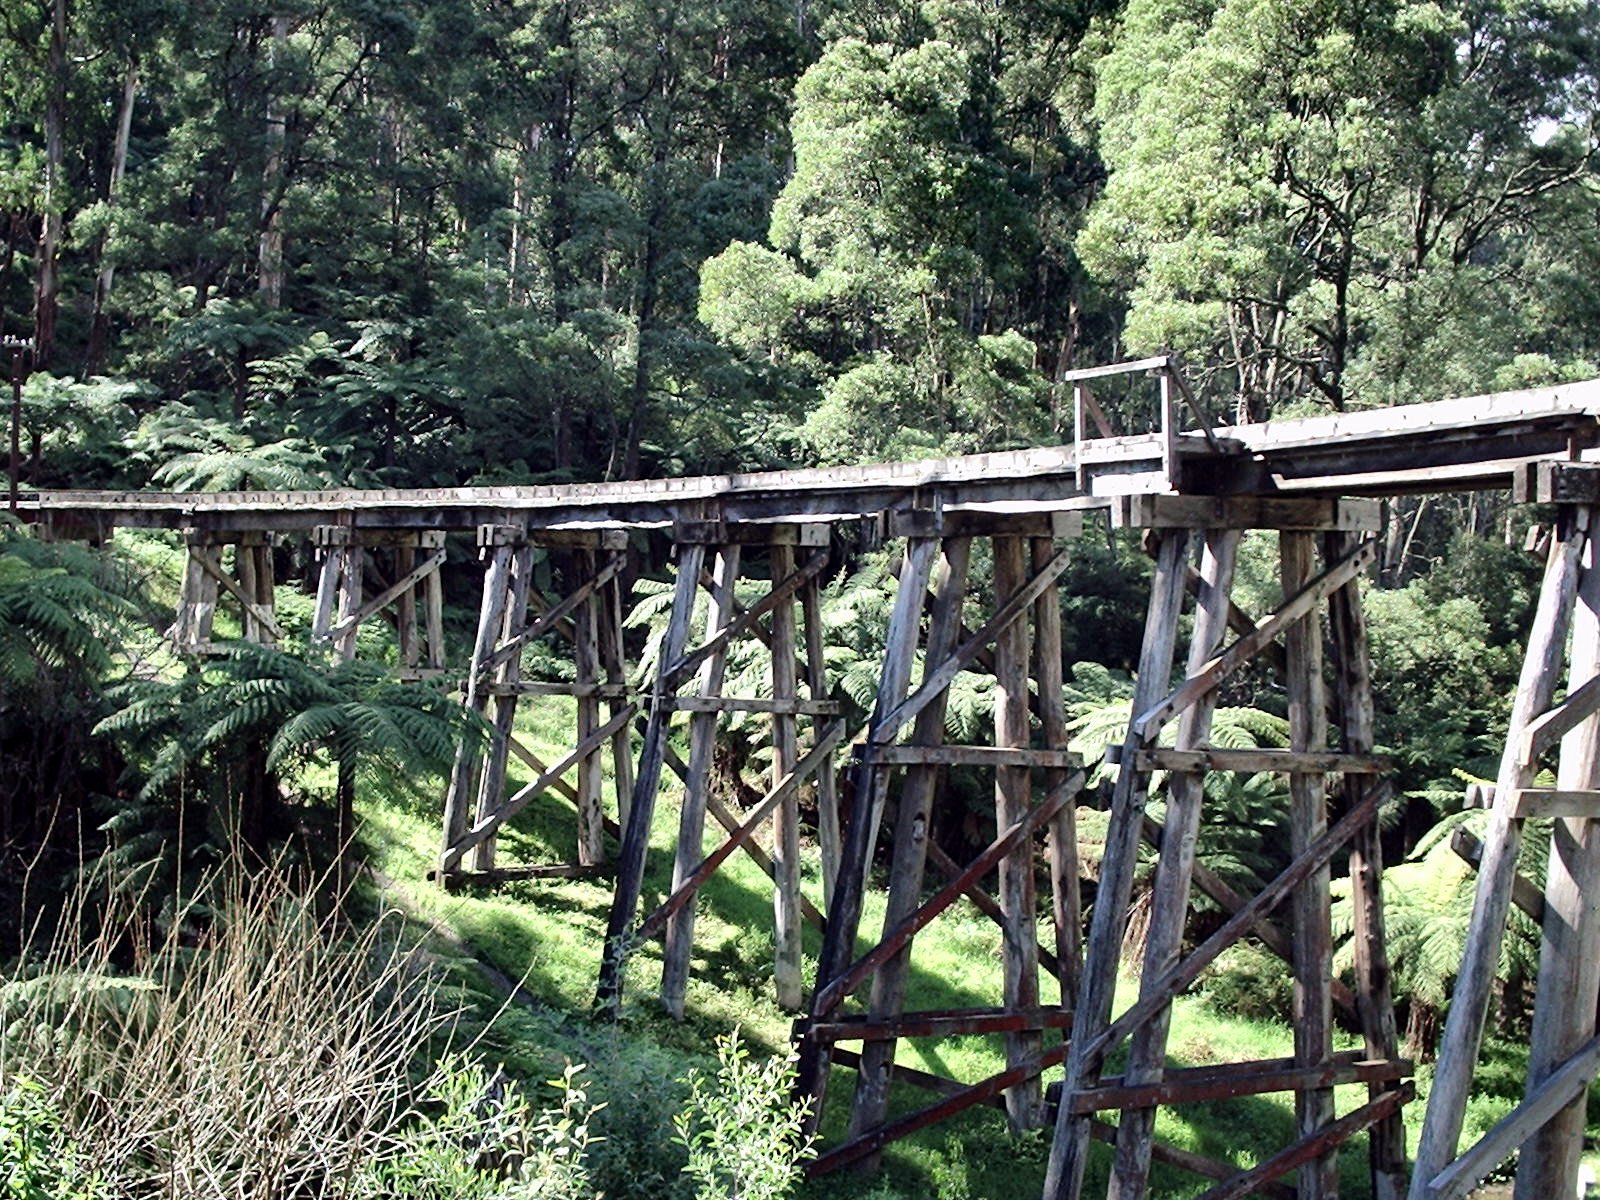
(487,1141)
(1427,907)
(36,1162)
(1250,982)
(633,1154)
(207,747)
(61,609)
(742,1128)
(1439,680)
(198,454)
(69,626)
(300,707)
(1302,196)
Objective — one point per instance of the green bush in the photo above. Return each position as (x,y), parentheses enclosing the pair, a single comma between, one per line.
(37,1162)
(634,1154)
(1250,982)
(742,1129)
(486,1141)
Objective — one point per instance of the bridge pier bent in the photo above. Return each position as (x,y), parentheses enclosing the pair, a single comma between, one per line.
(752,553)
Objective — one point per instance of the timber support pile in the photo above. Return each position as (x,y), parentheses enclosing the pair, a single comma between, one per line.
(744,637)
(1028,558)
(1548,1125)
(1339,533)
(712,557)
(514,613)
(205,581)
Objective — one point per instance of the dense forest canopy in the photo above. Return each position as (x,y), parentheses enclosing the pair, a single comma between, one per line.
(425,242)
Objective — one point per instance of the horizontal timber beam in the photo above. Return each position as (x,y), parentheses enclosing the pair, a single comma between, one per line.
(940,1024)
(1204,1085)
(757,704)
(1286,761)
(1465,444)
(972,756)
(1246,512)
(1530,803)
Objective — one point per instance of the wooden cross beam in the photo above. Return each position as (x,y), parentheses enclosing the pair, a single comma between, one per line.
(1228,1081)
(1313,1147)
(1313,858)
(1149,722)
(1543,1102)
(832,995)
(486,827)
(744,620)
(936,681)
(391,593)
(214,569)
(972,1094)
(753,820)
(555,616)
(1101,1131)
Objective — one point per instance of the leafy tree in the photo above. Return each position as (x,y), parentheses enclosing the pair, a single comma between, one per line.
(1304,197)
(899,279)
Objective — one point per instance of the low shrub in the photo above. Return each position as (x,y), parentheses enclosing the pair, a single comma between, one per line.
(261,1048)
(741,1127)
(1250,982)
(37,1162)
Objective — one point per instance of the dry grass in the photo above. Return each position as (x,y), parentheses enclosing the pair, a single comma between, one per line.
(252,1046)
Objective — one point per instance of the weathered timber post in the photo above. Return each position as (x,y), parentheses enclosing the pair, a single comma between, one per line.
(1569,958)
(613,659)
(692,820)
(1069,1151)
(1019,943)
(871,783)
(586,675)
(1308,821)
(197,597)
(636,834)
(405,616)
(494,687)
(253,562)
(1170,893)
(786,820)
(1002,642)
(728,620)
(491,617)
(1062,849)
(339,587)
(826,785)
(1565,1054)
(500,686)
(871,1103)
(1352,693)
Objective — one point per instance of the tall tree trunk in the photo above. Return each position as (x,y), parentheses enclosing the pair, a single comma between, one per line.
(15,228)
(645,312)
(95,355)
(558,230)
(270,270)
(48,287)
(345,802)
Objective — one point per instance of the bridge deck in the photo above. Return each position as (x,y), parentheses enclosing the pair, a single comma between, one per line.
(1463,444)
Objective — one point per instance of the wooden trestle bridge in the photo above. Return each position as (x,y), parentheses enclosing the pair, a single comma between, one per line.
(1316,482)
